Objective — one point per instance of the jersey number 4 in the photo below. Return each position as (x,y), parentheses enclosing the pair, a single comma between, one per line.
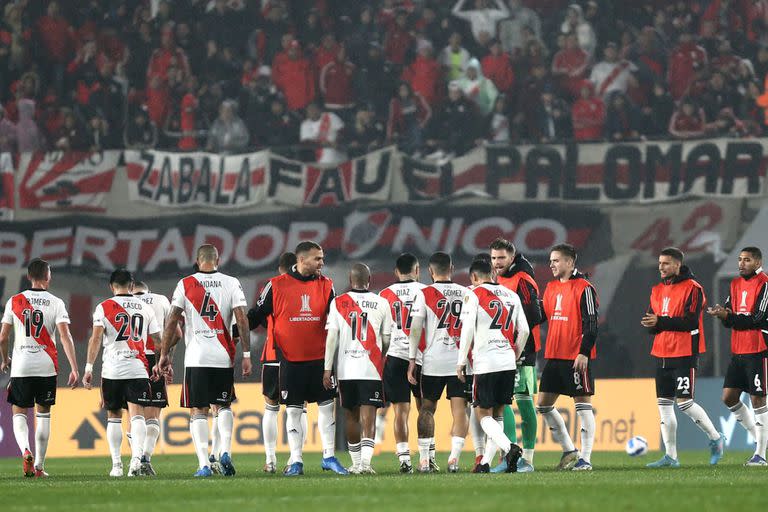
(208,309)
(33,319)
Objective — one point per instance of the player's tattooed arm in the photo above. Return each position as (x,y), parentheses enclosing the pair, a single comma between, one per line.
(169,340)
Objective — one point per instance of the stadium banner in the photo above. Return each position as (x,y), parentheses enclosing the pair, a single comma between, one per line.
(8,190)
(594,173)
(366,178)
(196,179)
(58,180)
(81,423)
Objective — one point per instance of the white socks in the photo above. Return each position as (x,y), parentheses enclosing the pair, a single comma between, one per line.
(478,436)
(42,434)
(139,435)
(700,418)
(366,451)
(745,419)
(115,439)
(496,438)
(457,444)
(21,432)
(269,432)
(153,433)
(226,423)
(304,427)
(761,430)
(354,453)
(587,419)
(198,427)
(326,424)
(668,425)
(403,452)
(215,437)
(423,444)
(295,433)
(557,427)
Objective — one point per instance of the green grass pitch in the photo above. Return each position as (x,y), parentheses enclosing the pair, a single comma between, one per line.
(618,483)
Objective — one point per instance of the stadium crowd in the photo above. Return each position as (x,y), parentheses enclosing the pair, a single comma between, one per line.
(435,77)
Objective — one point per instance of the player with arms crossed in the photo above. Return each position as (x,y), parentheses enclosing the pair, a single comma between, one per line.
(441,318)
(571,308)
(745,312)
(35,315)
(405,299)
(208,299)
(516,273)
(675,318)
(493,326)
(122,325)
(359,325)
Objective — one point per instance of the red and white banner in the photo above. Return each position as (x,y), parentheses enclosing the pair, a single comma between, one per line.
(8,187)
(66,181)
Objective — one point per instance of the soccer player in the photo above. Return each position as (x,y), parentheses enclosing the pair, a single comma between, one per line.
(359,324)
(404,299)
(298,302)
(122,325)
(493,326)
(35,315)
(208,299)
(516,273)
(475,429)
(441,318)
(745,312)
(675,318)
(571,308)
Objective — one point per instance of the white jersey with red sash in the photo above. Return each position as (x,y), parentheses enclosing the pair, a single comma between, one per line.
(34,315)
(442,327)
(160,306)
(406,302)
(127,324)
(362,319)
(208,300)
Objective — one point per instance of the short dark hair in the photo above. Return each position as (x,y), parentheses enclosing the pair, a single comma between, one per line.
(502,244)
(306,246)
(141,285)
(287,261)
(566,250)
(440,262)
(121,277)
(673,252)
(406,262)
(38,269)
(483,256)
(754,251)
(480,268)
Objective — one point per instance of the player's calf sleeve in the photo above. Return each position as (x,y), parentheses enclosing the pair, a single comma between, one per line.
(21,432)
(478,436)
(304,427)
(42,434)
(529,424)
(510,423)
(366,451)
(495,432)
(295,435)
(226,422)
(269,431)
(115,438)
(139,434)
(587,419)
(215,437)
(153,434)
(744,418)
(761,430)
(198,427)
(700,418)
(668,425)
(326,424)
(557,427)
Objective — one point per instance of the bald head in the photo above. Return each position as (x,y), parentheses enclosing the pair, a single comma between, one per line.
(360,276)
(207,257)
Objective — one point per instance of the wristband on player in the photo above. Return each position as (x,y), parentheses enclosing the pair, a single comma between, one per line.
(247,354)
(88,367)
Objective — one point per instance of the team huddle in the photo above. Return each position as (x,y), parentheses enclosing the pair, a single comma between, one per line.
(410,343)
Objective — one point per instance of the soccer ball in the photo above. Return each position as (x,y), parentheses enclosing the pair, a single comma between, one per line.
(637,446)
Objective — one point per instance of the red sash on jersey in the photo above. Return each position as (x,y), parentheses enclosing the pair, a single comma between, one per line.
(612,76)
(431,297)
(347,305)
(405,312)
(485,297)
(21,304)
(111,310)
(195,293)
(322,133)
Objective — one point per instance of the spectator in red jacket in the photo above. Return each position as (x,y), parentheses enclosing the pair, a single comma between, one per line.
(409,114)
(56,38)
(688,121)
(326,52)
(398,40)
(569,66)
(336,82)
(425,74)
(588,113)
(295,78)
(498,68)
(188,112)
(683,61)
(167,56)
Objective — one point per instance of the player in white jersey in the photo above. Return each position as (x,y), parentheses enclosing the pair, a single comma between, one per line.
(404,299)
(122,325)
(441,318)
(208,299)
(359,324)
(34,316)
(494,327)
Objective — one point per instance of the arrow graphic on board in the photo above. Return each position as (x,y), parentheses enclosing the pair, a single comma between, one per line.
(86,436)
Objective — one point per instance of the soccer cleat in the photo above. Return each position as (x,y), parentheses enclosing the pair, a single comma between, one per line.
(204,472)
(433,466)
(295,469)
(28,464)
(582,465)
(406,468)
(269,467)
(512,456)
(40,473)
(501,467)
(146,467)
(478,459)
(117,470)
(665,462)
(354,470)
(568,460)
(333,464)
(227,468)
(425,467)
(523,466)
(215,466)
(367,470)
(716,449)
(134,469)
(453,466)
(756,460)
(482,468)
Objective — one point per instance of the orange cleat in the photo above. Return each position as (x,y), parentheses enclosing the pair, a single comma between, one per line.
(28,464)
(40,473)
